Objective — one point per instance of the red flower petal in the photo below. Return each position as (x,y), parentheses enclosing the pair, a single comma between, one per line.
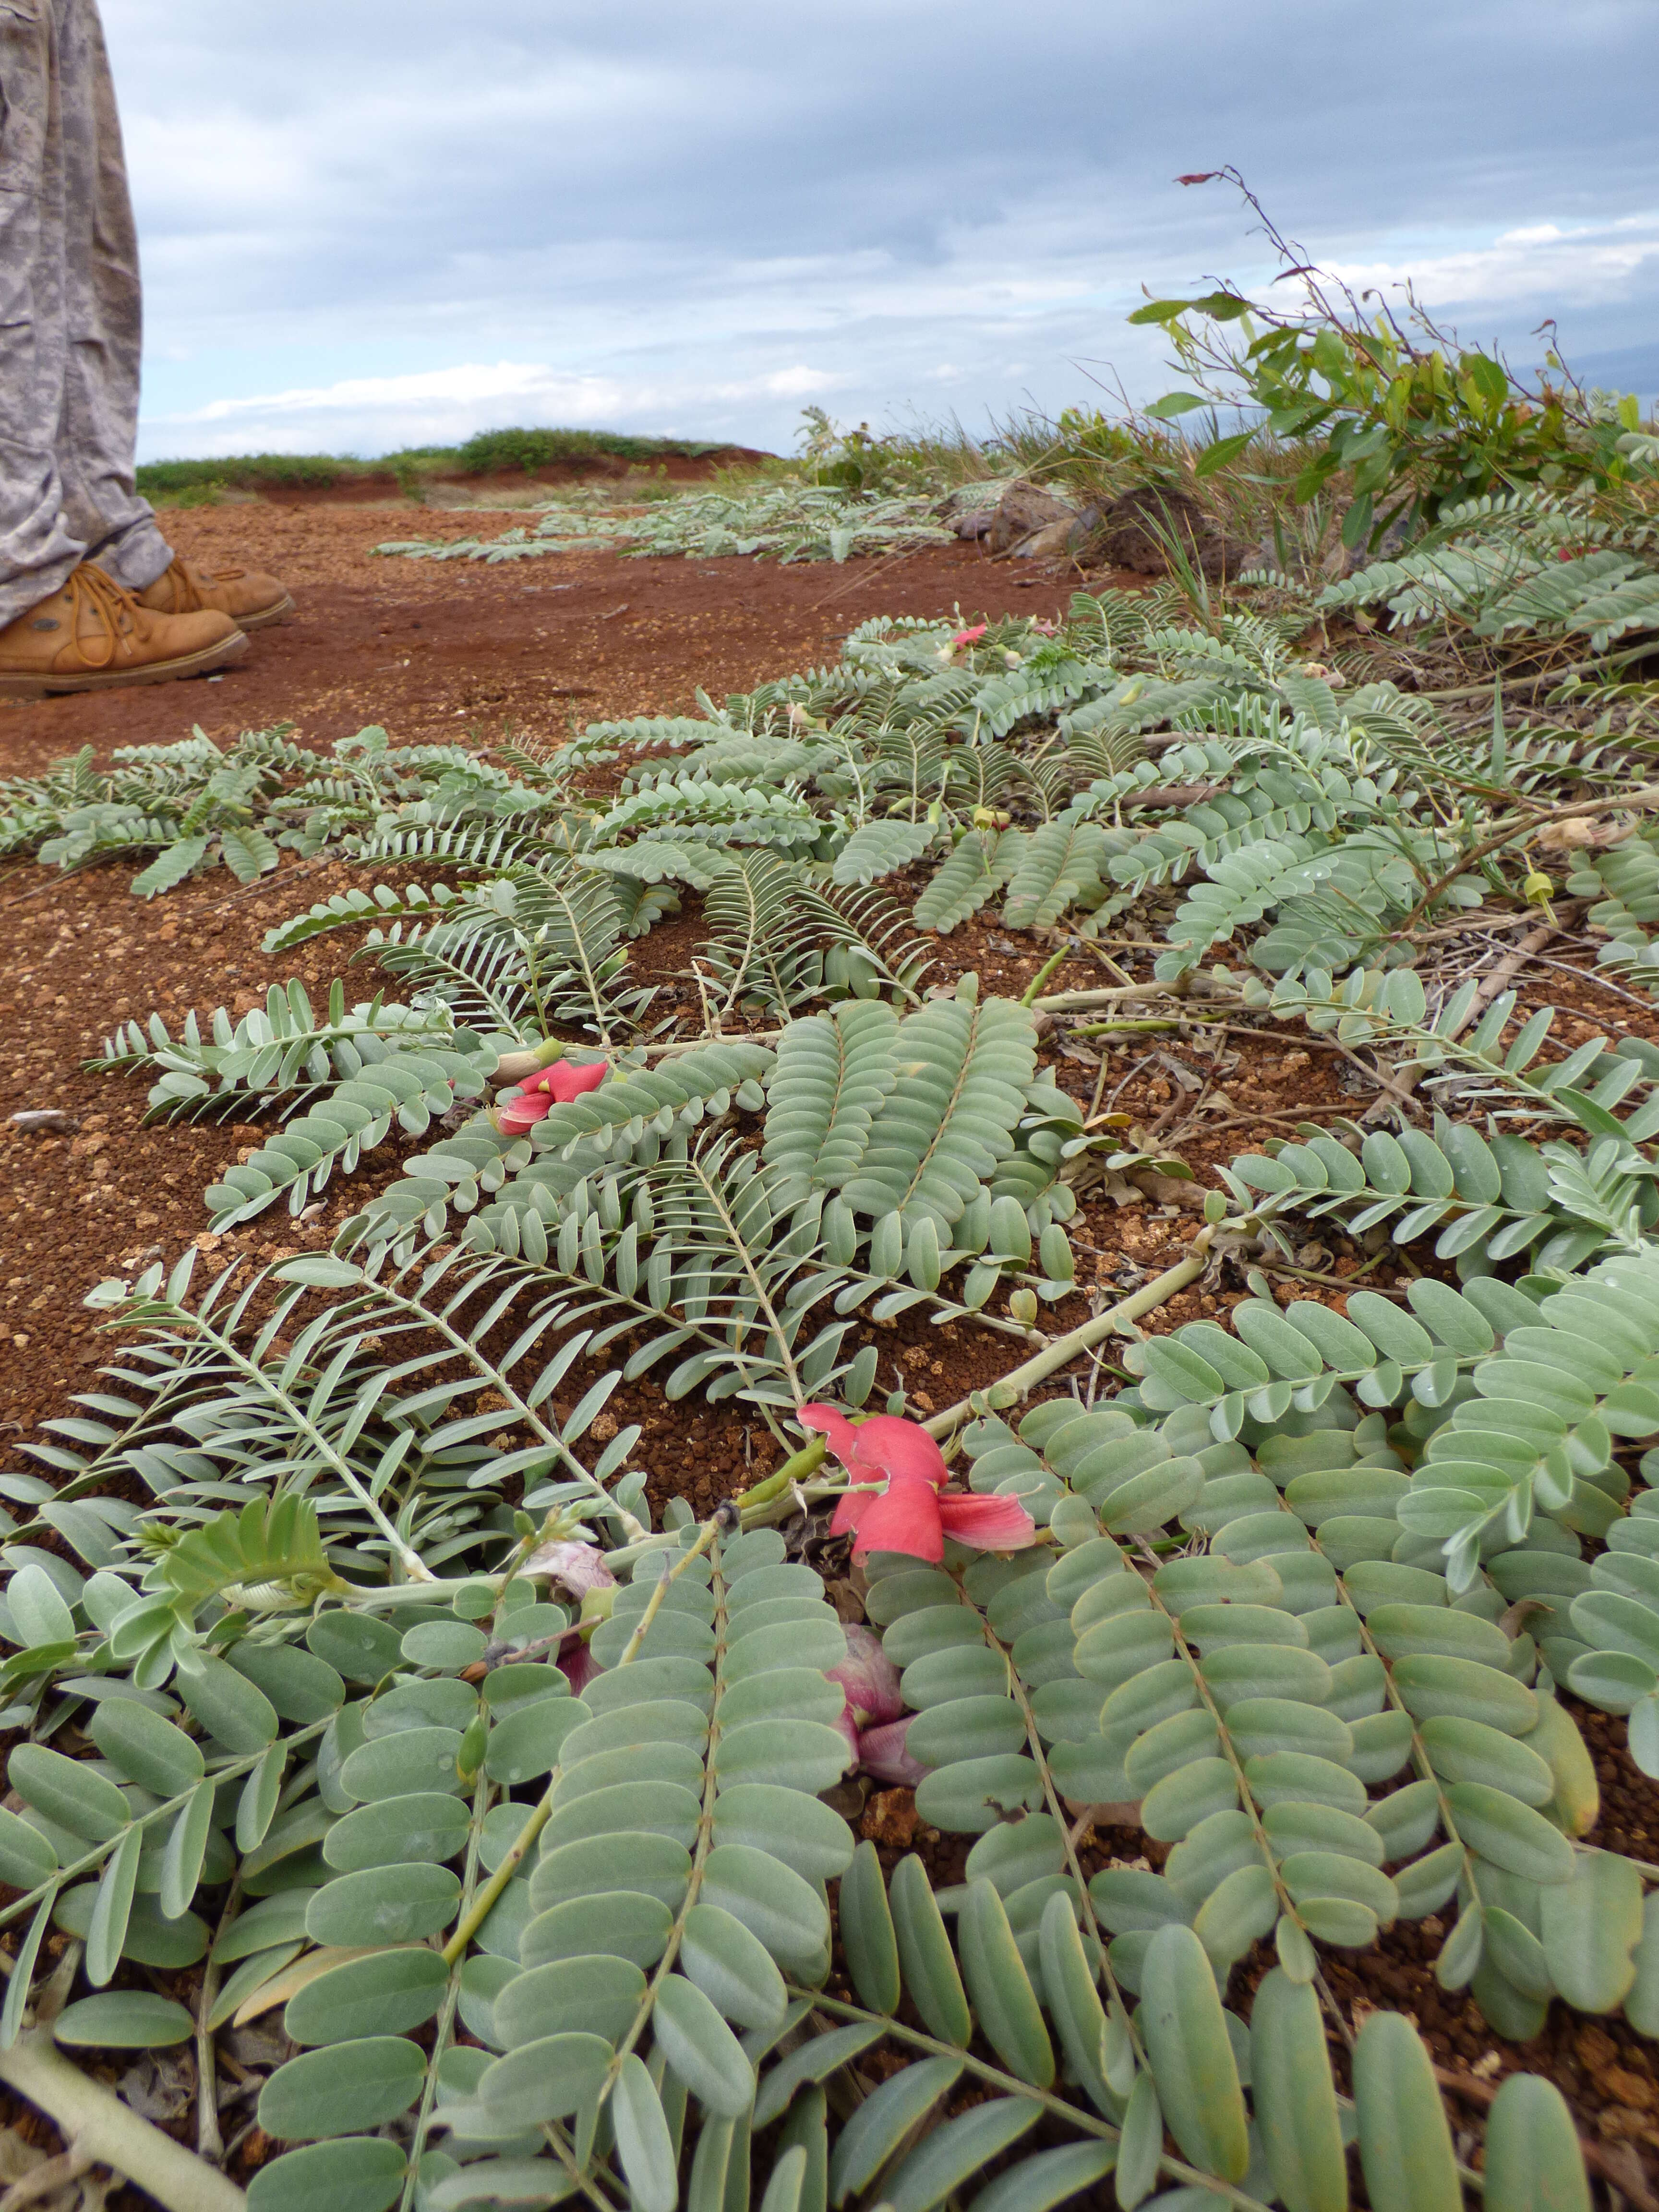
(834,1424)
(567,1081)
(887,1445)
(522,1113)
(851,1511)
(987,1524)
(904,1518)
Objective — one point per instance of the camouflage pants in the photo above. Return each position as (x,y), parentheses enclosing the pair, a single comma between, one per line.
(70,315)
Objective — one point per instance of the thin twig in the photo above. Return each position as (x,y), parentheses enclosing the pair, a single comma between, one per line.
(56,2173)
(1021,1381)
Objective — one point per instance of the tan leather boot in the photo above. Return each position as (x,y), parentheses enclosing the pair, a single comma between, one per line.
(251,599)
(92,636)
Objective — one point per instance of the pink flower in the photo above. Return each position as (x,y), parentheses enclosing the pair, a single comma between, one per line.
(576,1663)
(884,1754)
(913,1514)
(869,1685)
(578,1568)
(971,636)
(554,1087)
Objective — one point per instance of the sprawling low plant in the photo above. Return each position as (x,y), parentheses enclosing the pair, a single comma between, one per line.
(539,1882)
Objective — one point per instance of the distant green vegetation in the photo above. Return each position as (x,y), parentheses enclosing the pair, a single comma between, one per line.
(490,451)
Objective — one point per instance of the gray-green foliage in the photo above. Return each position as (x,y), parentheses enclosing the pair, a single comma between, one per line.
(1517,565)
(619,1897)
(1246,1617)
(196,803)
(891,1150)
(1260,1619)
(792,522)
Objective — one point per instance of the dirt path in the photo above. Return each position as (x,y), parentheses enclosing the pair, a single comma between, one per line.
(462,649)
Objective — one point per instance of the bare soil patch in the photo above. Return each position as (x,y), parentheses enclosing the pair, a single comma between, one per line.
(465,650)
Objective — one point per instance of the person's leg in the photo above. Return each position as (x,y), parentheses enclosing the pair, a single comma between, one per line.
(39,547)
(98,427)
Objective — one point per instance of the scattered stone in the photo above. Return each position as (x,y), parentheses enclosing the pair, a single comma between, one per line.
(46,1121)
(1130,530)
(1023,511)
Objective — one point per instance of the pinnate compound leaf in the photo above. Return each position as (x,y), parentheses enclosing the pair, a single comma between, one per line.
(355,2174)
(124,2019)
(1404,2144)
(1185,2032)
(643,2143)
(1533,2161)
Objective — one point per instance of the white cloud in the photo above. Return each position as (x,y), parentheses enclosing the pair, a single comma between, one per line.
(468,386)
(445,405)
(400,220)
(1587,264)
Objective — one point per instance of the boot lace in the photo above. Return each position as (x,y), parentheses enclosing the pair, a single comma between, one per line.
(88,587)
(186,584)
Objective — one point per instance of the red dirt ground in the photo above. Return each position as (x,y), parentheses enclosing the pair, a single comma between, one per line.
(462,649)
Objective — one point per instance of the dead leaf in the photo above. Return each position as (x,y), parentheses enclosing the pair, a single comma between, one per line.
(281,1987)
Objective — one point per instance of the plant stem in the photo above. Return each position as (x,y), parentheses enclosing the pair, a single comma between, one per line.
(1022,1380)
(1078,1002)
(479,1911)
(95,2122)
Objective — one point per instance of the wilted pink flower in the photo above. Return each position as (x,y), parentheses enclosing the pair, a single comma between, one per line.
(577,1567)
(869,1684)
(869,1678)
(884,1754)
(539,1094)
(971,636)
(577,1664)
(914,1513)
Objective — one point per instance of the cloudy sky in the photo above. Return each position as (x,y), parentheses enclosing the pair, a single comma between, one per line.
(396,221)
